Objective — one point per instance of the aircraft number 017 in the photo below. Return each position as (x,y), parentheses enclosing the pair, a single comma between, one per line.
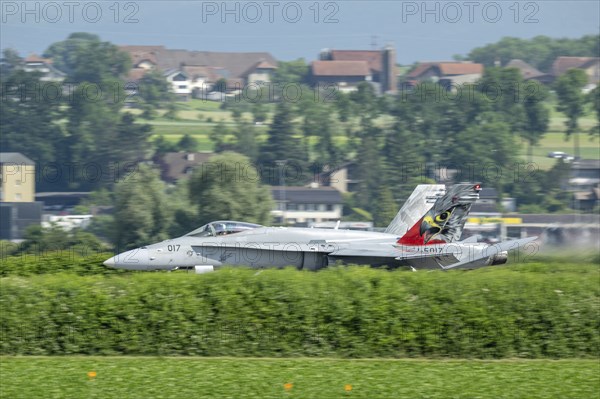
(172,248)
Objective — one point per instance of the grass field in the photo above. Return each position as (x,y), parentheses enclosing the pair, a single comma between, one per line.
(185,377)
(188,122)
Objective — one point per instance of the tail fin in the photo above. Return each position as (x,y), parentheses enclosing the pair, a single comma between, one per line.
(444,222)
(419,202)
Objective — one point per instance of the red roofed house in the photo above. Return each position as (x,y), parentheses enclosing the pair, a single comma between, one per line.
(347,68)
(529,72)
(590,65)
(346,75)
(35,63)
(445,73)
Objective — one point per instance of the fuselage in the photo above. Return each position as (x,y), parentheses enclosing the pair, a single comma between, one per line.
(303,248)
(260,247)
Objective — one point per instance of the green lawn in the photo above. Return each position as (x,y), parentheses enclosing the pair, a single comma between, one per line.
(153,377)
(189,123)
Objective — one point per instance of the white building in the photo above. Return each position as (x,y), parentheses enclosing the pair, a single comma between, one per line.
(303,205)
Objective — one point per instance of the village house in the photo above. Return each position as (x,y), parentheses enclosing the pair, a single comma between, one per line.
(529,73)
(304,205)
(198,71)
(590,65)
(347,68)
(446,74)
(34,63)
(18,208)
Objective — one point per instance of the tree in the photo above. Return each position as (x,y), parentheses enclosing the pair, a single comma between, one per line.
(229,188)
(98,133)
(9,62)
(220,85)
(486,151)
(245,139)
(64,53)
(218,136)
(259,112)
(571,102)
(402,160)
(28,120)
(594,98)
(187,143)
(162,145)
(154,90)
(291,72)
(502,88)
(540,51)
(369,168)
(537,117)
(385,208)
(142,212)
(365,100)
(282,144)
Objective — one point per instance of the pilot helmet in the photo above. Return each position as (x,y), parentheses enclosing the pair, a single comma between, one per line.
(220,227)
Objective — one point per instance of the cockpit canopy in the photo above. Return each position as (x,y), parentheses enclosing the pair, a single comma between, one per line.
(221,228)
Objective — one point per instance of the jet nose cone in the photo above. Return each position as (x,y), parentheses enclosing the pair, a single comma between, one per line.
(110,262)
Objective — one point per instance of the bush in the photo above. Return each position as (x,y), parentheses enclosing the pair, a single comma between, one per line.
(78,259)
(530,311)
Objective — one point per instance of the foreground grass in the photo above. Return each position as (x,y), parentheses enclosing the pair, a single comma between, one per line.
(152,377)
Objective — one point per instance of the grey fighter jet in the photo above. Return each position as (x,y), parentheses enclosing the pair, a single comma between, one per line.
(430,242)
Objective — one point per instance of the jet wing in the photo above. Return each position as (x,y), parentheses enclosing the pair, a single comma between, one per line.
(496,249)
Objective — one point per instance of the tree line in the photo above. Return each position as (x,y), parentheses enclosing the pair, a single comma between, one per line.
(395,142)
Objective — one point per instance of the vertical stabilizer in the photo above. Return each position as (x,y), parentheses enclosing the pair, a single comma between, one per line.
(445,220)
(418,204)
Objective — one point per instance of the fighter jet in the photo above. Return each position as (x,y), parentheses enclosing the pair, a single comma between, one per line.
(430,242)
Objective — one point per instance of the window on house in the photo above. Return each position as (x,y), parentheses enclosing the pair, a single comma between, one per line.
(310,207)
(18,197)
(330,207)
(182,86)
(17,182)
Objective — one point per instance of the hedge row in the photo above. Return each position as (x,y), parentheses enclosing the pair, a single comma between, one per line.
(83,262)
(532,311)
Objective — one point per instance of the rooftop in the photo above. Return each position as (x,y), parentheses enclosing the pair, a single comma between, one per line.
(15,158)
(340,68)
(306,195)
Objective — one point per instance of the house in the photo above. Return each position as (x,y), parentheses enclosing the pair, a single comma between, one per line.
(180,83)
(445,73)
(34,63)
(345,75)
(344,67)
(590,65)
(178,165)
(585,175)
(303,205)
(530,73)
(18,208)
(341,177)
(245,67)
(17,177)
(260,72)
(585,178)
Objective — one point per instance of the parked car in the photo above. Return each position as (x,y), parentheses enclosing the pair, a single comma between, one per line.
(557,155)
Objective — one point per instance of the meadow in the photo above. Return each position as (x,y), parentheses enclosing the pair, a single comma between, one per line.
(198,118)
(194,377)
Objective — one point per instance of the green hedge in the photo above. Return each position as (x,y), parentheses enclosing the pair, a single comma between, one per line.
(80,261)
(519,311)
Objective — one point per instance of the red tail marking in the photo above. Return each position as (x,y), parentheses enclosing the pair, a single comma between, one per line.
(414,237)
